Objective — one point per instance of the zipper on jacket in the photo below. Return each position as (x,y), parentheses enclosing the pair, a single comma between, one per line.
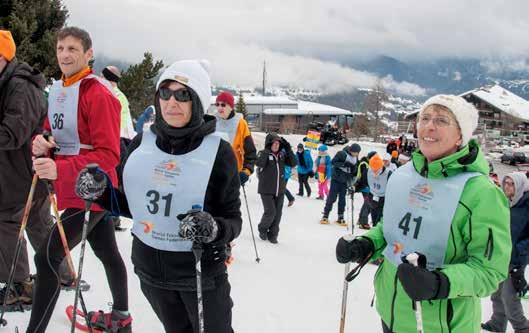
(278,174)
(393,303)
(489,249)
(449,315)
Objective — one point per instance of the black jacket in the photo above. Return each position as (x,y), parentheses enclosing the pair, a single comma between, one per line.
(520,231)
(342,170)
(23,108)
(176,270)
(271,167)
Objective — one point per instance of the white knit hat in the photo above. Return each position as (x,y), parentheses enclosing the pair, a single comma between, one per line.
(466,114)
(191,73)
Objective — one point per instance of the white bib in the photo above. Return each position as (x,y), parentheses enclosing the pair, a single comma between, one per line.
(159,186)
(418,213)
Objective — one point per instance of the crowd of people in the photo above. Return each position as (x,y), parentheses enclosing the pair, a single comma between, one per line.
(434,200)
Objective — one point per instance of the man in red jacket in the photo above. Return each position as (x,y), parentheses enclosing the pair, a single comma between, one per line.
(83,117)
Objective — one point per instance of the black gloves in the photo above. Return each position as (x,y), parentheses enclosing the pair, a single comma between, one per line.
(311,173)
(518,281)
(90,183)
(351,190)
(421,284)
(285,144)
(243,176)
(198,226)
(353,249)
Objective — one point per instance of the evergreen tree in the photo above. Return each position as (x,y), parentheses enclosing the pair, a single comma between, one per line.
(34,25)
(138,83)
(240,107)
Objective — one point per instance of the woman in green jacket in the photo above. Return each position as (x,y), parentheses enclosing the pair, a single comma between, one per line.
(444,207)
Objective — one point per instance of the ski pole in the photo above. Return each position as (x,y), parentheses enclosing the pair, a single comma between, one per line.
(251,226)
(197,251)
(18,248)
(64,241)
(413,258)
(90,191)
(347,268)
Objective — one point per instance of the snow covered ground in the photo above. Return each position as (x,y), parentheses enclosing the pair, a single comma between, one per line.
(297,287)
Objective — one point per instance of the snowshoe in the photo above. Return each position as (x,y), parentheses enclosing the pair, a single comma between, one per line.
(101,322)
(80,321)
(70,285)
(324,220)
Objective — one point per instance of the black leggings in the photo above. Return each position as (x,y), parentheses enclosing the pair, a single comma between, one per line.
(178,310)
(49,256)
(304,181)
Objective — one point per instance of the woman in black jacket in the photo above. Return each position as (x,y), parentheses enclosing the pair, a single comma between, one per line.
(177,165)
(270,164)
(506,304)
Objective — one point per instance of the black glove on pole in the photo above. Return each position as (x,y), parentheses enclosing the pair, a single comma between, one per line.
(421,284)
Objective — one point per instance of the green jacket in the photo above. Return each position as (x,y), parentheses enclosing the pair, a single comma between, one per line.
(477,254)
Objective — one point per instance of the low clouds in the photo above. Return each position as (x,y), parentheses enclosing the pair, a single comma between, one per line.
(304,42)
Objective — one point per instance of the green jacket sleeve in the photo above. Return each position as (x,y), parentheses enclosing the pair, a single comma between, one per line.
(376,235)
(482,223)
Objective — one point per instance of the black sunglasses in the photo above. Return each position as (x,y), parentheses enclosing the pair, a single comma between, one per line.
(220,104)
(181,95)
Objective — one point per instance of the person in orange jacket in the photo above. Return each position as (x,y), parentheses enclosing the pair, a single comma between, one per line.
(236,128)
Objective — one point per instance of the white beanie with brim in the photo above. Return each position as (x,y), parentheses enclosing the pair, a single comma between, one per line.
(465,113)
(193,74)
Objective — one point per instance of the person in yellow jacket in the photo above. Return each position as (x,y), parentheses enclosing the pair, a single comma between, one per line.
(239,135)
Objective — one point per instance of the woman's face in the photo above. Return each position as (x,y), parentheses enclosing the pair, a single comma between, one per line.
(175,113)
(508,187)
(438,132)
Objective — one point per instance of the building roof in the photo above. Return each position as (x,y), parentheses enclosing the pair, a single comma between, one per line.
(310,108)
(264,100)
(503,100)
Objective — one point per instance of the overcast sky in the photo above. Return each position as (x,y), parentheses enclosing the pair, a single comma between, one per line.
(305,41)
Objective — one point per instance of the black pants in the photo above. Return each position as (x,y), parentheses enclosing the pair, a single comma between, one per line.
(178,311)
(365,210)
(385,328)
(377,208)
(273,209)
(337,190)
(38,226)
(304,181)
(49,256)
(289,195)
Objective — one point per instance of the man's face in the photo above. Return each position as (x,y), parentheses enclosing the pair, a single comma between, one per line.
(275,146)
(71,55)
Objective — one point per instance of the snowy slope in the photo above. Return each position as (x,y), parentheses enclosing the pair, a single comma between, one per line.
(297,287)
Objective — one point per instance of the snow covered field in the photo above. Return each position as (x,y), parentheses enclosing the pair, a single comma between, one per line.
(297,287)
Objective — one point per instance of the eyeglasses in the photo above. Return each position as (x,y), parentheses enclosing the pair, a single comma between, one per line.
(440,121)
(181,95)
(220,104)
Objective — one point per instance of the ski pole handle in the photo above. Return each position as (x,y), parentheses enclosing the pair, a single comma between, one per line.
(413,258)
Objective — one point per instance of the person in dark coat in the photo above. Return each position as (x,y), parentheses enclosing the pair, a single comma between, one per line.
(23,108)
(506,304)
(344,165)
(271,163)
